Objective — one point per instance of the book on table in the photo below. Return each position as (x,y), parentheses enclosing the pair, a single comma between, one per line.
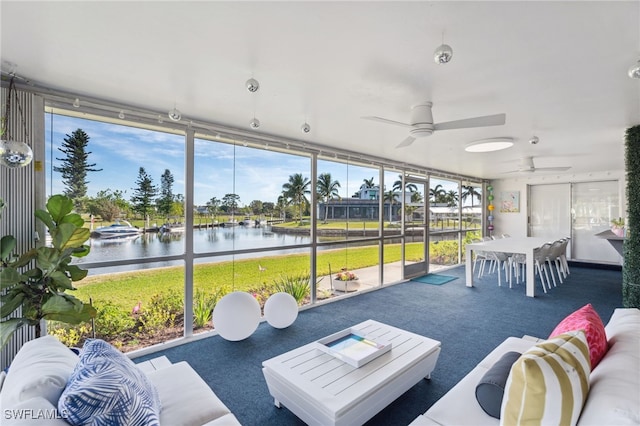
(353,347)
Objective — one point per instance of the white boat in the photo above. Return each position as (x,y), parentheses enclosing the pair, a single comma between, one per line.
(119,229)
(172,228)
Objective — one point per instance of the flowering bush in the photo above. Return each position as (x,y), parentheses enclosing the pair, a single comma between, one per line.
(346,276)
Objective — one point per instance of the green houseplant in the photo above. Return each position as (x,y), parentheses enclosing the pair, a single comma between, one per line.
(37,280)
(631,266)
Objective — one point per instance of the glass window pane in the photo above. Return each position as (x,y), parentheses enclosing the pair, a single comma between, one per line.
(240,198)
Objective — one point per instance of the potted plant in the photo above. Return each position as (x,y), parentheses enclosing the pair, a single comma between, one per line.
(37,280)
(617,226)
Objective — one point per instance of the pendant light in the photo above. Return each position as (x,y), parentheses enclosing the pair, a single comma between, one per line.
(443,53)
(13,154)
(634,70)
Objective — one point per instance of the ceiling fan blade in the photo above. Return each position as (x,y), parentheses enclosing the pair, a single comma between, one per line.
(408,141)
(386,121)
(484,121)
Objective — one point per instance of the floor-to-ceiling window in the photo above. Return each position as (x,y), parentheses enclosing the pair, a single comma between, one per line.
(239,214)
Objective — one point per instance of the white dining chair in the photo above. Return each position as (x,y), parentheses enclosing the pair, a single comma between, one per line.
(539,258)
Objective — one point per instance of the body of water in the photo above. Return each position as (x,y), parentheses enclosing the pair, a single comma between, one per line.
(205,241)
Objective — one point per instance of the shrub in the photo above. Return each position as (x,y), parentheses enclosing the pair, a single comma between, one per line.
(203,305)
(69,335)
(112,321)
(295,285)
(161,312)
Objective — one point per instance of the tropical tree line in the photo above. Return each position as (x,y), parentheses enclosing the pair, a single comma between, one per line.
(148,200)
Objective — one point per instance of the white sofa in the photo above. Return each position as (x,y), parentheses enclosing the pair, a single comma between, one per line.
(29,392)
(614,394)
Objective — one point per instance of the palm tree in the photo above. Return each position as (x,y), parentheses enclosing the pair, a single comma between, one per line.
(281,206)
(368,183)
(410,187)
(437,193)
(470,191)
(296,190)
(390,196)
(452,198)
(327,189)
(416,197)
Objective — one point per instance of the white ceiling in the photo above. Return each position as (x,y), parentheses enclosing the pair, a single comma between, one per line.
(557,69)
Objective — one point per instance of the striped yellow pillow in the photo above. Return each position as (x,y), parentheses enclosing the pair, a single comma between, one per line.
(549,383)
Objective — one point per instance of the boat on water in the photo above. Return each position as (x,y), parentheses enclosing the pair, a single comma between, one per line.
(172,228)
(119,229)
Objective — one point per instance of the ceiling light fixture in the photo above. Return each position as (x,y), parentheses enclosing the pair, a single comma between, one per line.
(175,115)
(634,70)
(13,154)
(306,128)
(489,145)
(252,85)
(76,103)
(443,53)
(254,123)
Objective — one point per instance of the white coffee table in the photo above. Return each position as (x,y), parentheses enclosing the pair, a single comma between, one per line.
(322,390)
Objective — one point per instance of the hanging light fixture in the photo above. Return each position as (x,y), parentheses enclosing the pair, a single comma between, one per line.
(175,114)
(634,70)
(443,53)
(13,154)
(253,86)
(254,123)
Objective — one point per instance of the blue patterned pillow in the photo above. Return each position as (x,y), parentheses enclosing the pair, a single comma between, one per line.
(107,388)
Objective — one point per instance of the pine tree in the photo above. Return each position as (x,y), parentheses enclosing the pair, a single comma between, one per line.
(74,166)
(165,202)
(143,194)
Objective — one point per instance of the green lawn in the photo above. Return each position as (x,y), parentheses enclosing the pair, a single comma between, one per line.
(127,288)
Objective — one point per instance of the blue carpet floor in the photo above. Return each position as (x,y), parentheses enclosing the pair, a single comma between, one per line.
(469,322)
(434,279)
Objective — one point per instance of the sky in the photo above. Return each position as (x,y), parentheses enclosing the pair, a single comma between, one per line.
(121,150)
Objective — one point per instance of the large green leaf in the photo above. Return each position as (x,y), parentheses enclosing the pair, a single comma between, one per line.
(8,327)
(81,251)
(46,218)
(10,305)
(9,277)
(74,219)
(59,206)
(48,258)
(60,280)
(76,272)
(70,236)
(7,245)
(25,259)
(68,309)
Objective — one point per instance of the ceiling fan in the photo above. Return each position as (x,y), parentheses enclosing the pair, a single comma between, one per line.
(526,166)
(422,124)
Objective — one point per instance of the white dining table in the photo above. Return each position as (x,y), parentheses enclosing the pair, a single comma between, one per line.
(521,245)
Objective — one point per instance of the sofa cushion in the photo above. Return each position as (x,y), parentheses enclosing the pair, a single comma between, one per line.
(588,320)
(614,394)
(178,407)
(490,389)
(41,368)
(446,411)
(106,388)
(549,383)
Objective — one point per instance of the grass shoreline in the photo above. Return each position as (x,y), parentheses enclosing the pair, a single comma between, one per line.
(126,288)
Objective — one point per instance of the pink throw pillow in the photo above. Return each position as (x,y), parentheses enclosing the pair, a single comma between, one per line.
(587,319)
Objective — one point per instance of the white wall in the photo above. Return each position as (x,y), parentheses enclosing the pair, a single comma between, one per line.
(515,224)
